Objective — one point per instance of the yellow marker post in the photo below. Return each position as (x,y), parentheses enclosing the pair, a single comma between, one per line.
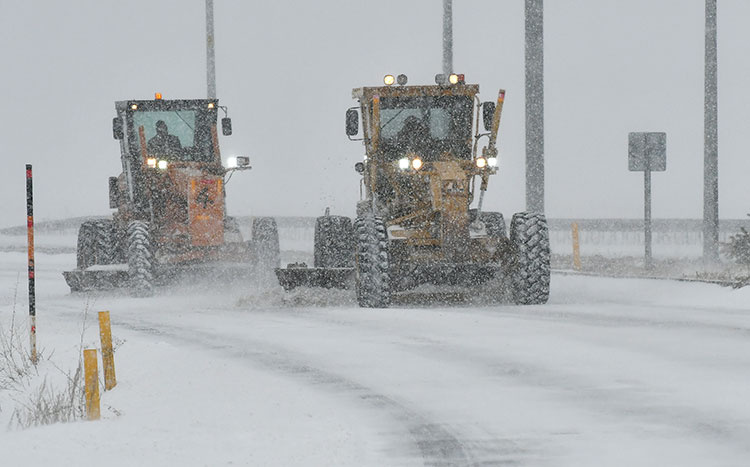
(576,248)
(91,373)
(108,356)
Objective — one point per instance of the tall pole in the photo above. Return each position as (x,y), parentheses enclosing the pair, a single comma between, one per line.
(30,238)
(447,37)
(535,105)
(210,57)
(648,260)
(711,143)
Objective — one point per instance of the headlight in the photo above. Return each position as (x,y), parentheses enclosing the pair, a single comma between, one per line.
(403,164)
(389,79)
(151,162)
(453,78)
(416,163)
(492,161)
(481,162)
(232,162)
(163,165)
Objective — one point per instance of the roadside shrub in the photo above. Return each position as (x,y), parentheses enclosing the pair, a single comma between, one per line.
(738,247)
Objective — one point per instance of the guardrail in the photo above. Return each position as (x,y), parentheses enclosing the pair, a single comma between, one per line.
(606,237)
(625,237)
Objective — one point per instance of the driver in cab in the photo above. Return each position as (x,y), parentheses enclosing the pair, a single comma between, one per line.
(163,144)
(414,136)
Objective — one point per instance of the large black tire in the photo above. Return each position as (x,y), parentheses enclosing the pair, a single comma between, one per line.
(371,263)
(334,242)
(95,244)
(493,221)
(530,274)
(141,260)
(265,235)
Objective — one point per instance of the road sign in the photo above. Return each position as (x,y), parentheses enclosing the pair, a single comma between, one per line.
(647,151)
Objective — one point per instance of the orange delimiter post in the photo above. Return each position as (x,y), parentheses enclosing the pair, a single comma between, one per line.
(108,357)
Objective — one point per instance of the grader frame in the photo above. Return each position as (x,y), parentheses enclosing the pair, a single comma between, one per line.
(414,223)
(170,204)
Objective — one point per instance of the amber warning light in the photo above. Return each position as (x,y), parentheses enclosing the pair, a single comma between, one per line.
(157,96)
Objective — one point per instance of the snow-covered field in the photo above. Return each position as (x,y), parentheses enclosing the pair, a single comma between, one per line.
(612,372)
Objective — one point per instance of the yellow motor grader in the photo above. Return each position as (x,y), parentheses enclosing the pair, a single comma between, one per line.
(170,200)
(415,223)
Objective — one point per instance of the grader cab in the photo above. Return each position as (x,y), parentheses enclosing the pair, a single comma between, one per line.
(415,225)
(170,203)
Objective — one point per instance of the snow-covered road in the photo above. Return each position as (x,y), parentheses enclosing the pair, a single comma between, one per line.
(610,372)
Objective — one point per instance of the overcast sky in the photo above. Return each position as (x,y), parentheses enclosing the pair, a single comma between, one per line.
(286,69)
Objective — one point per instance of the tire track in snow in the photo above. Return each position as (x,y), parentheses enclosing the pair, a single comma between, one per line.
(609,320)
(436,444)
(616,402)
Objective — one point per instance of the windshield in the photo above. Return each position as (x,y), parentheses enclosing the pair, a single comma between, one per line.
(428,126)
(174,135)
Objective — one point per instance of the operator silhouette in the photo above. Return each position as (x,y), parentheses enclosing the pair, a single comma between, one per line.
(163,144)
(414,135)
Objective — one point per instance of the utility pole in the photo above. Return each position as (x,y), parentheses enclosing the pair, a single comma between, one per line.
(535,105)
(711,142)
(447,37)
(210,57)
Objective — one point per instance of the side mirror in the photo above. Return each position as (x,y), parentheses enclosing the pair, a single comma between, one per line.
(488,113)
(352,122)
(238,163)
(226,126)
(117,131)
(359,167)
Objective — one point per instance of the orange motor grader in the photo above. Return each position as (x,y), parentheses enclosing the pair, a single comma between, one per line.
(170,217)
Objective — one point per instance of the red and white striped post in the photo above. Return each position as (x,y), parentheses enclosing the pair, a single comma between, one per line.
(30,235)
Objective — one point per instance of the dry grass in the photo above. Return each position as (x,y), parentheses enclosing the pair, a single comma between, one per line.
(15,362)
(36,398)
(48,404)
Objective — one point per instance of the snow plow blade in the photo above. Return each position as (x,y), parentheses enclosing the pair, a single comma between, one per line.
(80,281)
(117,277)
(296,275)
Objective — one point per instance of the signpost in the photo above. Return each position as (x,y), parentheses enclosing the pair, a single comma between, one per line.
(647,152)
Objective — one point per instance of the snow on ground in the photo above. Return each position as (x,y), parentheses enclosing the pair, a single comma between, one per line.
(611,372)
